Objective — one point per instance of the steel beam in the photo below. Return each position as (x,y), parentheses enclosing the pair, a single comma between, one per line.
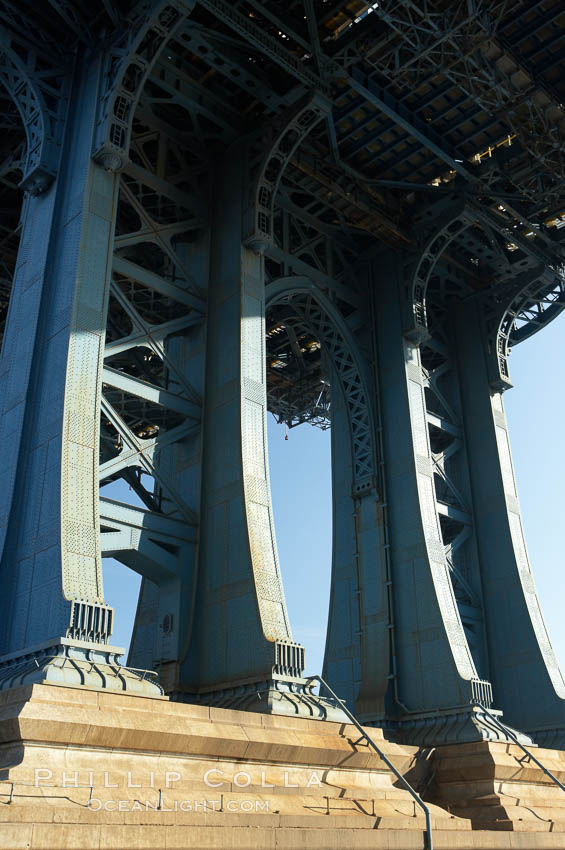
(220,215)
(159,284)
(150,392)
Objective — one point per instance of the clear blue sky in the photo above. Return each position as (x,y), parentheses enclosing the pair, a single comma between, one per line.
(301,491)
(535,409)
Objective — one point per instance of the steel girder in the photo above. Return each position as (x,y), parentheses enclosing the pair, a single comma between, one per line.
(468,51)
(313,312)
(525,286)
(411,124)
(149,403)
(267,174)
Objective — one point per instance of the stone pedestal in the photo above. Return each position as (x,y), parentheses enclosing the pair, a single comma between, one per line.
(92,769)
(497,786)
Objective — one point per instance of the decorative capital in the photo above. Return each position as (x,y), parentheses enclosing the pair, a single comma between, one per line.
(259,244)
(76,663)
(111,159)
(37,181)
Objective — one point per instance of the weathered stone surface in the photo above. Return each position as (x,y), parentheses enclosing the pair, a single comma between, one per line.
(83,769)
(497,786)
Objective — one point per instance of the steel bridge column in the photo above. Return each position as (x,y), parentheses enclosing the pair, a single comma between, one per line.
(357,656)
(527,682)
(51,566)
(433,665)
(241,640)
(19,339)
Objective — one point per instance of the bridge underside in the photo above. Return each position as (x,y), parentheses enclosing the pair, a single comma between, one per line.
(343,213)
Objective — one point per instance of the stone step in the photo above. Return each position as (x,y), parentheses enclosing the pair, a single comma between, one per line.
(125,750)
(277,834)
(519,818)
(509,801)
(72,802)
(470,762)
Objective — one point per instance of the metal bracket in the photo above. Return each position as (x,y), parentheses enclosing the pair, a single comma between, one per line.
(128,64)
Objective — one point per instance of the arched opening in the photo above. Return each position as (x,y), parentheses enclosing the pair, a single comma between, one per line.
(535,408)
(314,375)
(298,395)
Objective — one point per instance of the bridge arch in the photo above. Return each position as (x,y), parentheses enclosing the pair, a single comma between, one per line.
(314,311)
(127,66)
(357,537)
(537,302)
(41,160)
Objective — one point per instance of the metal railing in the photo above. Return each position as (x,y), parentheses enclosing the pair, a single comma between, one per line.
(310,680)
(481,692)
(510,734)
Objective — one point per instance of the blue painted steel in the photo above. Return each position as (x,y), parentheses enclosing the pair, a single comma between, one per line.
(434,665)
(38,83)
(244,218)
(239,610)
(51,358)
(523,668)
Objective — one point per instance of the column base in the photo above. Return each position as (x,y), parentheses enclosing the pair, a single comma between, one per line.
(552,738)
(74,663)
(460,725)
(288,697)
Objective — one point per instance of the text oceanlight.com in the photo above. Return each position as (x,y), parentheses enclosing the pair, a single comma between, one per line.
(221,805)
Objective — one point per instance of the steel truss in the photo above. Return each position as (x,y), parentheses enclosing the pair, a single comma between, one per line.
(149,403)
